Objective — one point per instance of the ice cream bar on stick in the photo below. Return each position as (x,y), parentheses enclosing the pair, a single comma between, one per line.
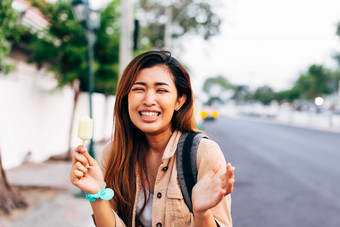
(85,128)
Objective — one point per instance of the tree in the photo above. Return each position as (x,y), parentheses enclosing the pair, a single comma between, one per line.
(8,20)
(241,94)
(264,94)
(106,50)
(315,82)
(9,198)
(336,75)
(337,55)
(187,16)
(288,95)
(64,46)
(216,87)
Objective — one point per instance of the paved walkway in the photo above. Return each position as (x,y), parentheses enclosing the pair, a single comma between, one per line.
(67,209)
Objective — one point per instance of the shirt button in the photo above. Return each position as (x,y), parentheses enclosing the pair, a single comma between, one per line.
(159,224)
(165,168)
(159,195)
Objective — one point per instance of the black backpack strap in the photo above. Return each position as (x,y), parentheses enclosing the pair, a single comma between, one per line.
(186,163)
(180,171)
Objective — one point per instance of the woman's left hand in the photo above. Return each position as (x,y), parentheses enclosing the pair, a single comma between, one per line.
(211,189)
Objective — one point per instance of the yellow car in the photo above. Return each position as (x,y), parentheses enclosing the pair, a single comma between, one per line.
(210,114)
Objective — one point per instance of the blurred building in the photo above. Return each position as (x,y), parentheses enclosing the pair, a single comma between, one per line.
(30,17)
(30,74)
(35,117)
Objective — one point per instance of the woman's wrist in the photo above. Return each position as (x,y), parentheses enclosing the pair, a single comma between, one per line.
(103,193)
(202,214)
(204,218)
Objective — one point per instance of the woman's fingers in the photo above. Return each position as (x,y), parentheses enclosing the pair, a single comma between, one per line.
(230,171)
(79,157)
(75,176)
(228,179)
(83,152)
(79,166)
(81,149)
(78,173)
(90,160)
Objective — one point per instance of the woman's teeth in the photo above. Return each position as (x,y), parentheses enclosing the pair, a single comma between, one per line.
(149,114)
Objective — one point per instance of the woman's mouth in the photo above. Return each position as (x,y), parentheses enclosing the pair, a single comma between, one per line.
(149,116)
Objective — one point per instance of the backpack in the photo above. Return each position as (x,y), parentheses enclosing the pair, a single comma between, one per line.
(186,163)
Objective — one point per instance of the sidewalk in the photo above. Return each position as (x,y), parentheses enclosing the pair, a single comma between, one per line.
(60,203)
(322,121)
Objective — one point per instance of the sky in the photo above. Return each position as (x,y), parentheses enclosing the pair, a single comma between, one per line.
(263,42)
(266,42)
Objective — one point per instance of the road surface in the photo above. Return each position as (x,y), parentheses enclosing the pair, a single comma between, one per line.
(285,175)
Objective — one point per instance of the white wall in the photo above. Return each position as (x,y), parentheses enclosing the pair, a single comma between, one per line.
(37,120)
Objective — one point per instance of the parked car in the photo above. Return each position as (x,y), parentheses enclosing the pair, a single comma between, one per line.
(210,113)
(197,114)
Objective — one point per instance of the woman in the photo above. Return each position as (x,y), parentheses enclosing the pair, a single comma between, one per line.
(154,105)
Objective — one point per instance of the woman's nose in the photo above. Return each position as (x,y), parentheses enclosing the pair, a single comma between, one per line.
(149,99)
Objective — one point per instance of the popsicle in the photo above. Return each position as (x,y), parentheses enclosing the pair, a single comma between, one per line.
(85,128)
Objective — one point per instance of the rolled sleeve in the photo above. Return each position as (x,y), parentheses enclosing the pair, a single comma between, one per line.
(119,221)
(208,154)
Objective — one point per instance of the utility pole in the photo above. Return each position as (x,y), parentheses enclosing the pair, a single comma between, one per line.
(338,96)
(126,43)
(168,28)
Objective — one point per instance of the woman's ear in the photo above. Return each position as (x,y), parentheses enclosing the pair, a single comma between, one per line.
(180,101)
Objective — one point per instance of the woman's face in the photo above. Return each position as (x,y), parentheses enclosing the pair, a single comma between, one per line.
(153,99)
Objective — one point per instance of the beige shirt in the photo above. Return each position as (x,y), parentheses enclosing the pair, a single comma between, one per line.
(169,208)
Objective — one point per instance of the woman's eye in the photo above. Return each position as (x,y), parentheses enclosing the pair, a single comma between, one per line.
(137,89)
(162,90)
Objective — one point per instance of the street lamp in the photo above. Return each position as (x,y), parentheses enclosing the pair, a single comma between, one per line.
(90,20)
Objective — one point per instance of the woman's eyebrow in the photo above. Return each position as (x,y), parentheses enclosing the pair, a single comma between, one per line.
(139,83)
(157,83)
(162,83)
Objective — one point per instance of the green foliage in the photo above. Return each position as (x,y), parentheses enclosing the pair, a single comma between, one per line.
(8,21)
(219,81)
(65,47)
(241,94)
(288,95)
(188,16)
(315,82)
(264,94)
(338,29)
(107,50)
(63,44)
(215,87)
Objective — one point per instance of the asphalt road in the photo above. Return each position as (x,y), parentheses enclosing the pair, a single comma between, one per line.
(285,175)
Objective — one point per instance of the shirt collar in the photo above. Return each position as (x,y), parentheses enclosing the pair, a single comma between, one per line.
(171,147)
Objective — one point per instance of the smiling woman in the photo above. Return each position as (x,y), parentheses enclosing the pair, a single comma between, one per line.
(153,100)
(154,106)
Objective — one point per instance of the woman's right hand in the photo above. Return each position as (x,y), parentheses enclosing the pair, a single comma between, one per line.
(86,173)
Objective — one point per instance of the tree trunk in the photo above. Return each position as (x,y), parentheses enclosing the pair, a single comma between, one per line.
(9,198)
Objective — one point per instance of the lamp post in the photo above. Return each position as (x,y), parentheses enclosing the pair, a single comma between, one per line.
(90,20)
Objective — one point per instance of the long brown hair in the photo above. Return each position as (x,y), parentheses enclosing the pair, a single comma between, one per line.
(129,144)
